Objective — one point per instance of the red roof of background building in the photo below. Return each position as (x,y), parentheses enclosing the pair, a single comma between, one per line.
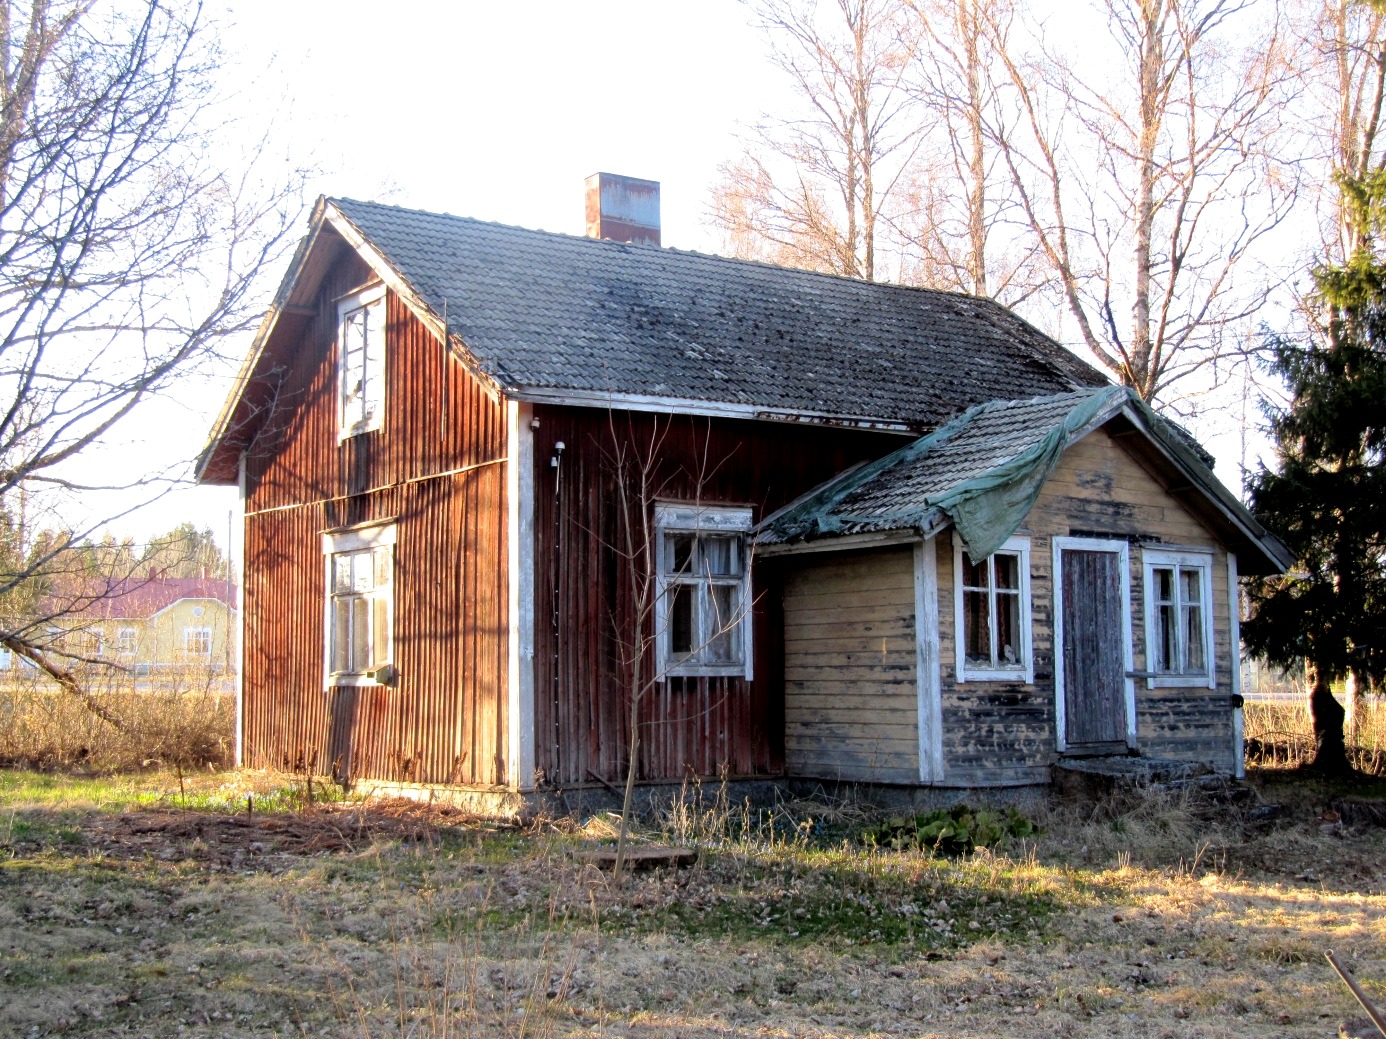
(139,598)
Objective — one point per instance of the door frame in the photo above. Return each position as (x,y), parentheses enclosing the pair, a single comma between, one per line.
(1122,549)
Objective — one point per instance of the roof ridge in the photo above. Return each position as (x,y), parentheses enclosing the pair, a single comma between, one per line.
(699,254)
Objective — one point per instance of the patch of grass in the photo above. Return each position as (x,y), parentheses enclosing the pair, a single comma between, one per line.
(848,899)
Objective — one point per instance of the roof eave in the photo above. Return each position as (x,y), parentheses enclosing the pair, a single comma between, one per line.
(327,215)
(710,409)
(222,426)
(1215,492)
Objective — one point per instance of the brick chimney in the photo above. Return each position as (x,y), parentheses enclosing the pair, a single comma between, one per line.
(623,209)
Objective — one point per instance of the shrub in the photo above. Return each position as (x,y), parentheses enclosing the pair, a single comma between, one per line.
(950,831)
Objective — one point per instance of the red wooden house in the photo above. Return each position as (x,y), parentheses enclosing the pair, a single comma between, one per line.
(438,436)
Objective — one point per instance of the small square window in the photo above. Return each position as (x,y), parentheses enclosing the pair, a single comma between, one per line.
(992,614)
(1178,618)
(703,594)
(197,642)
(359,625)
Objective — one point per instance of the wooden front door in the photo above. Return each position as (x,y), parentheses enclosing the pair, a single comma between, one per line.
(1093,640)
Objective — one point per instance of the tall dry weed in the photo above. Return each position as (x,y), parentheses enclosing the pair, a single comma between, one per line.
(181,718)
(1280,733)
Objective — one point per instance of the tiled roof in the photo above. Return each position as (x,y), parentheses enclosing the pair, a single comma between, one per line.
(550,312)
(901,490)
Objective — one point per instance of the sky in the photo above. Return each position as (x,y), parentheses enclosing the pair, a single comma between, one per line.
(482,109)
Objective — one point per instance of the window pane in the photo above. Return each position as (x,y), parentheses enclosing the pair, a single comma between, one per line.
(1007,570)
(380,643)
(681,604)
(382,567)
(1164,584)
(974,574)
(1008,628)
(1193,638)
(374,361)
(1190,584)
(353,367)
(976,629)
(723,604)
(360,635)
(361,572)
(341,573)
(341,635)
(680,553)
(1166,636)
(720,557)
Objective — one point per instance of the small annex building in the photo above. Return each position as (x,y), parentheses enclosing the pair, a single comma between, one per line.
(497,482)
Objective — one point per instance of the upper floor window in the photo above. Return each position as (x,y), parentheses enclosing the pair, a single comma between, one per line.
(1178,617)
(992,614)
(358,641)
(361,361)
(702,603)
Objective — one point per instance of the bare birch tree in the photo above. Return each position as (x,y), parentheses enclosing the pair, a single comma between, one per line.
(1341,63)
(1149,190)
(816,189)
(960,208)
(130,240)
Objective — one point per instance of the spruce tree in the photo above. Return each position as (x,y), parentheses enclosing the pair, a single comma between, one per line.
(1326,498)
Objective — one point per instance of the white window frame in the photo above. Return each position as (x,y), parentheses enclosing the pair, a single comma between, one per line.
(701,519)
(1201,559)
(122,634)
(1024,671)
(373,296)
(357,539)
(201,631)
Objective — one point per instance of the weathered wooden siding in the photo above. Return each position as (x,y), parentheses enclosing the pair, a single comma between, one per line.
(444,720)
(1000,732)
(584,616)
(851,706)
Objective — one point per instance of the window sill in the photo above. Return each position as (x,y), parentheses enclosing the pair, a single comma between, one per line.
(343,435)
(1020,676)
(705,671)
(1189,681)
(353,682)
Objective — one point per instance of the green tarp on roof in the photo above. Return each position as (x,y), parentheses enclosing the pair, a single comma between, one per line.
(982,471)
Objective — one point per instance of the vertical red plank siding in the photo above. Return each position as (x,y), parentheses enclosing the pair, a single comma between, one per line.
(444,720)
(698,726)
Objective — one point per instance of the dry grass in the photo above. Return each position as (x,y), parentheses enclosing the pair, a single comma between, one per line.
(123,913)
(182,718)
(1280,734)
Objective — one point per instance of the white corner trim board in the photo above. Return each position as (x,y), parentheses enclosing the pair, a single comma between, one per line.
(928,679)
(1234,637)
(239,651)
(519,498)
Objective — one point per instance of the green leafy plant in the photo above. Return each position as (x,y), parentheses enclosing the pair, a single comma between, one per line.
(950,831)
